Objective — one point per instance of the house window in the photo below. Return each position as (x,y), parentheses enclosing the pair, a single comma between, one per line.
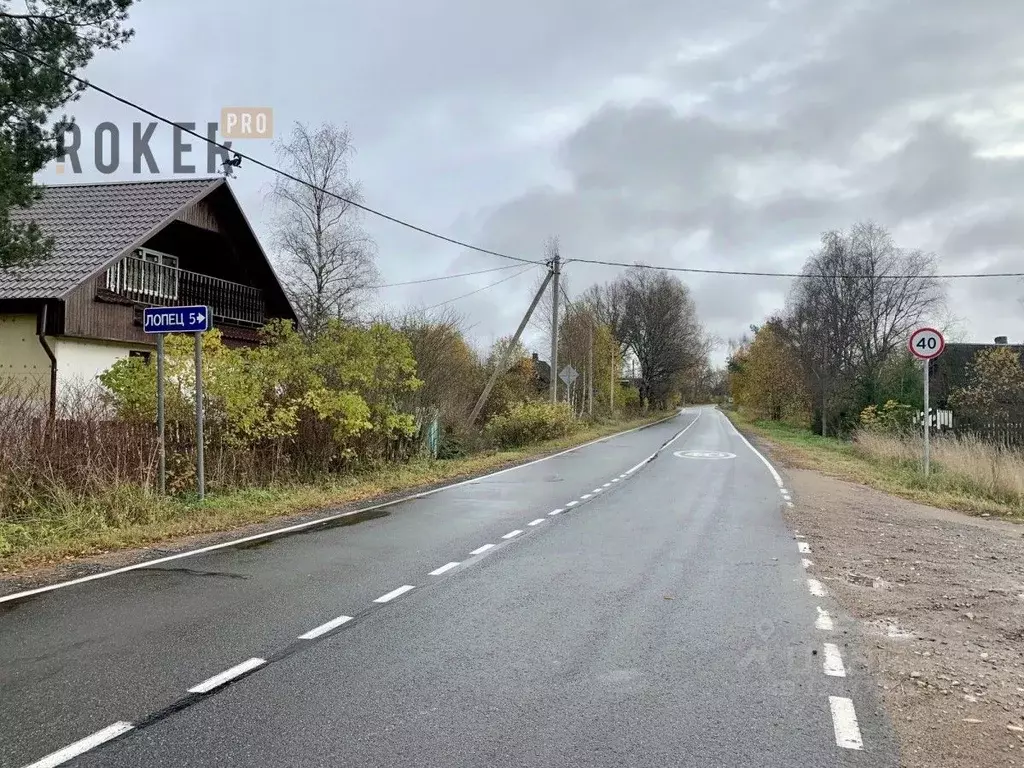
(140,353)
(146,275)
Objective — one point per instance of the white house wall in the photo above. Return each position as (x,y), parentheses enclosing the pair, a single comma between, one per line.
(80,361)
(23,361)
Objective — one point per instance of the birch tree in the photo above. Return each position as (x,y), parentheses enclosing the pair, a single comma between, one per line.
(327,258)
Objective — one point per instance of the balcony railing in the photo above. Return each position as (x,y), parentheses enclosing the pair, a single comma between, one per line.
(161,285)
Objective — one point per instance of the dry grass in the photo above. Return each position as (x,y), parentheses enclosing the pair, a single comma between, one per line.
(966,474)
(72,524)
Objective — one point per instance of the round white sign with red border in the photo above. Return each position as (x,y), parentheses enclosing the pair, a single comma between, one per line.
(926,343)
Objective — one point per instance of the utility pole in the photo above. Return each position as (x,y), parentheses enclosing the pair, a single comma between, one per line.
(612,389)
(555,270)
(500,364)
(590,369)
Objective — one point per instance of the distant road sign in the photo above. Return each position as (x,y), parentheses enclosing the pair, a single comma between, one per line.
(568,375)
(926,343)
(176,319)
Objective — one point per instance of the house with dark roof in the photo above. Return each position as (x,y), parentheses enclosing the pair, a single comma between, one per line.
(118,248)
(951,369)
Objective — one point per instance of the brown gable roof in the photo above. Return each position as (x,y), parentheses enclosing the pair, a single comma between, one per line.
(93,225)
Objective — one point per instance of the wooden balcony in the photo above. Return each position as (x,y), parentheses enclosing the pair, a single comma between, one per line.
(161,285)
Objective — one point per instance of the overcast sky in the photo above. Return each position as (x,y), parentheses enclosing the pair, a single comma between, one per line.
(722,135)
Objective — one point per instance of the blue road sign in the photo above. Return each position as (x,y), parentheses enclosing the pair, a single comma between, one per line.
(176,319)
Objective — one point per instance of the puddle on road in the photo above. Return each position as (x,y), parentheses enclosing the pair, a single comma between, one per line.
(340,522)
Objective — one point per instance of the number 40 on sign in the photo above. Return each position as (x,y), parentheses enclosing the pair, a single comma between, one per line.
(926,344)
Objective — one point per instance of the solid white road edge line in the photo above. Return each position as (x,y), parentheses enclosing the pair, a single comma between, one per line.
(554,512)
(80,747)
(816,587)
(538,521)
(318,521)
(443,569)
(806,563)
(394,593)
(227,676)
(833,662)
(775,475)
(844,723)
(824,621)
(323,629)
(481,550)
(510,534)
(804,547)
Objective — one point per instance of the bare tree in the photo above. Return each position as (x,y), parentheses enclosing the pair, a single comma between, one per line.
(857,302)
(328,258)
(661,328)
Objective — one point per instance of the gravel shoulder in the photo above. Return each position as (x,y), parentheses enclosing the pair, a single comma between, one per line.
(939,600)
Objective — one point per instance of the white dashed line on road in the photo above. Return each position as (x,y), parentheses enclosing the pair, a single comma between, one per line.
(227,676)
(616,479)
(394,593)
(538,521)
(586,496)
(607,485)
(571,503)
(554,512)
(806,563)
(510,534)
(597,490)
(444,569)
(844,723)
(323,629)
(481,550)
(80,747)
(816,587)
(804,547)
(789,504)
(824,621)
(833,663)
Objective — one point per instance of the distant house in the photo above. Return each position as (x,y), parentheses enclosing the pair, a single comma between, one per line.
(541,373)
(120,247)
(950,370)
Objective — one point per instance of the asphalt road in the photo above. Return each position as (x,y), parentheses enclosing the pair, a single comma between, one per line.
(663,619)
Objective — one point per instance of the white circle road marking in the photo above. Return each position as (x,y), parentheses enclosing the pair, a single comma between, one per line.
(704,455)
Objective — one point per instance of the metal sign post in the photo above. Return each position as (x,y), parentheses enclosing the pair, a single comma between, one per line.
(160,425)
(926,344)
(200,462)
(194,320)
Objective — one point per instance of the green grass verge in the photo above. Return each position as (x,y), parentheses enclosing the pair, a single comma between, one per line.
(967,477)
(129,517)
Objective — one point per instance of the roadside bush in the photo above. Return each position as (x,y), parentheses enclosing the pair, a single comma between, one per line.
(530,422)
(893,418)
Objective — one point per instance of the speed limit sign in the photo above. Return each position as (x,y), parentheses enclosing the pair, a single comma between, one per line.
(926,343)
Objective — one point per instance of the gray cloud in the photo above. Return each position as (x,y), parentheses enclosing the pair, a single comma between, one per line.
(675,132)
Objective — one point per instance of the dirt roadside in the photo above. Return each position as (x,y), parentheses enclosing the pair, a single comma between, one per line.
(940,600)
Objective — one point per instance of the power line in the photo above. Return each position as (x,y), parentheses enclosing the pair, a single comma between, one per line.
(446,277)
(695,270)
(490,285)
(261,164)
